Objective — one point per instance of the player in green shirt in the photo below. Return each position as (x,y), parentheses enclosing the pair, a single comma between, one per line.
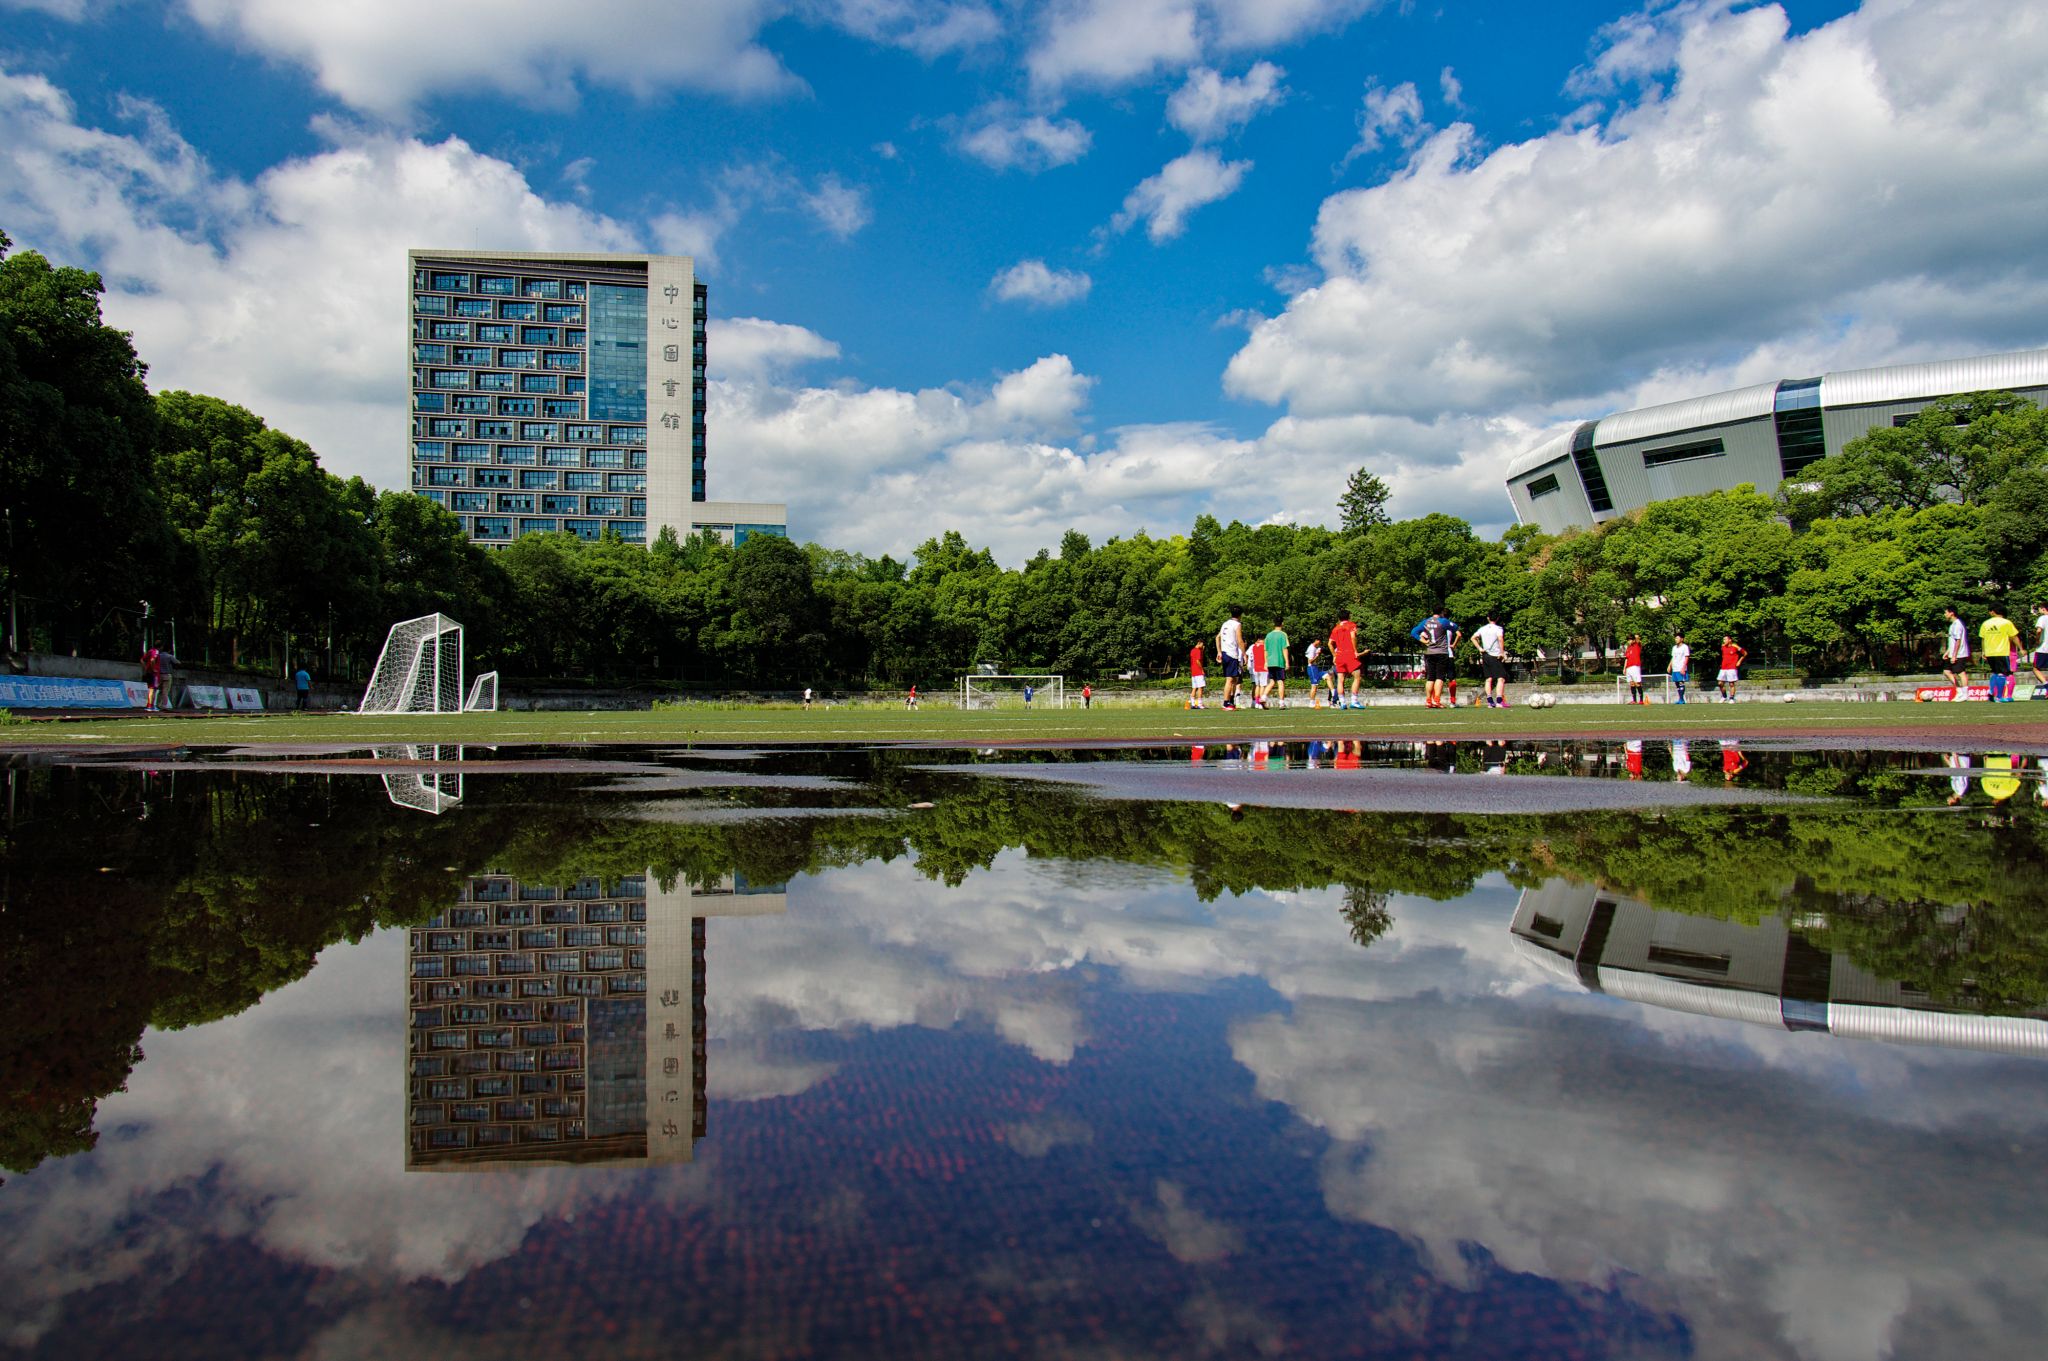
(1276,661)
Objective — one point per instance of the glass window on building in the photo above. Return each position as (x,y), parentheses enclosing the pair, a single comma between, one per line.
(470,453)
(636,458)
(498,335)
(472,307)
(496,382)
(439,498)
(539,479)
(447,477)
(540,335)
(493,527)
(497,285)
(429,449)
(572,387)
(471,354)
(494,430)
(583,481)
(604,505)
(448,378)
(443,425)
(471,406)
(618,353)
(575,290)
(471,501)
(606,458)
(538,430)
(625,482)
(429,354)
(430,305)
(516,501)
(543,288)
(574,338)
(559,505)
(628,434)
(515,406)
(518,359)
(451,330)
(562,408)
(584,434)
(562,360)
(539,382)
(519,311)
(515,453)
(450,283)
(493,477)
(562,458)
(636,505)
(562,311)
(584,529)
(429,401)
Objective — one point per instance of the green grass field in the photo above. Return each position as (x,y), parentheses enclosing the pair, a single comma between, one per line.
(2024,723)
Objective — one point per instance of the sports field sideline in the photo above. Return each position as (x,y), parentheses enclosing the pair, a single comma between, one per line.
(2022,724)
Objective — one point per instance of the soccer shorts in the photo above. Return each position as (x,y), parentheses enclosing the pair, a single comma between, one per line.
(1496,667)
(1199,682)
(1635,675)
(1729,675)
(1232,668)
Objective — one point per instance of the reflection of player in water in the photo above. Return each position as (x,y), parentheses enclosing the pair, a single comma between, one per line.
(1999,779)
(1634,759)
(1959,783)
(1681,759)
(1733,762)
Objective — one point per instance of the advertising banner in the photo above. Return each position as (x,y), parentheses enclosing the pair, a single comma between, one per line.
(207,696)
(1940,692)
(245,700)
(138,694)
(61,692)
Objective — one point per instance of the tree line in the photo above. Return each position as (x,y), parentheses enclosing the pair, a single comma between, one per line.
(252,555)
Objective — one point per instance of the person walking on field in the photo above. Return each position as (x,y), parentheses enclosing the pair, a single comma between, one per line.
(1956,653)
(1344,660)
(1732,657)
(910,700)
(1276,662)
(2000,636)
(1197,682)
(152,676)
(1491,640)
(302,684)
(1681,664)
(1230,647)
(1632,668)
(1087,695)
(807,696)
(2041,655)
(1439,638)
(1312,656)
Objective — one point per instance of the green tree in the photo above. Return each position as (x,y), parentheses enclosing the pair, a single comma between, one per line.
(1363,505)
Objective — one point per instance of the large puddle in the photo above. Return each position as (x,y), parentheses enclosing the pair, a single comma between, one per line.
(1318,1050)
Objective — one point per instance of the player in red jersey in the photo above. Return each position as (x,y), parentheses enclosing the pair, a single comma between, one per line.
(1197,681)
(1732,654)
(1344,659)
(1632,659)
(1258,673)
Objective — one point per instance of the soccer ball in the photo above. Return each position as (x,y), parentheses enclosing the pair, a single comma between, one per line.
(1787,699)
(1541,700)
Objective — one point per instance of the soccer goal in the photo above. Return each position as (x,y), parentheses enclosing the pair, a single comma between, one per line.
(483,695)
(420,669)
(426,791)
(1009,692)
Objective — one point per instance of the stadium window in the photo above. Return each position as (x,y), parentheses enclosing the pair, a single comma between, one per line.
(1543,486)
(1683,453)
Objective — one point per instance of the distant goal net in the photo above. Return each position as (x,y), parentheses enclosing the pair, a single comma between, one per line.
(420,669)
(1013,692)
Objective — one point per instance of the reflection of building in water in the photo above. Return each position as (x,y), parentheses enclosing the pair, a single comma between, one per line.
(428,790)
(563,1024)
(1767,974)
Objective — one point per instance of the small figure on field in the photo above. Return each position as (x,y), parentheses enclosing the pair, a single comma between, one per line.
(1344,661)
(1197,681)
(1681,664)
(2000,637)
(1732,655)
(1491,641)
(1955,653)
(1632,668)
(302,683)
(1276,662)
(1230,647)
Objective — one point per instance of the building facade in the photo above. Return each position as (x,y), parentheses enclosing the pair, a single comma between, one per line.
(1760,435)
(563,393)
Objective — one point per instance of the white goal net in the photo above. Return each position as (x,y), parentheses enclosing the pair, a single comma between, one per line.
(429,790)
(483,695)
(420,669)
(1013,692)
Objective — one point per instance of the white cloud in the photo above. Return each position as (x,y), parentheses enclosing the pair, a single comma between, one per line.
(1163,201)
(1045,397)
(74,10)
(927,28)
(264,292)
(1005,141)
(1111,42)
(1269,23)
(1033,282)
(1396,113)
(751,348)
(1451,88)
(840,208)
(374,55)
(1210,106)
(1796,197)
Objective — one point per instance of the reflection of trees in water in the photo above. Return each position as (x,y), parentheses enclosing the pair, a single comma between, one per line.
(231,888)
(1365,912)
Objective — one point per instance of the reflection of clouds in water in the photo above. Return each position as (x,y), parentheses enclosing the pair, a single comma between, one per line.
(1572,1144)
(1182,1229)
(293,1112)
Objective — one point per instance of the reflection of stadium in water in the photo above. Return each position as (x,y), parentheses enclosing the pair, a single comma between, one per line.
(563,1024)
(1767,974)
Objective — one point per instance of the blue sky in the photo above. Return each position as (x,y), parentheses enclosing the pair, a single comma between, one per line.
(1013,267)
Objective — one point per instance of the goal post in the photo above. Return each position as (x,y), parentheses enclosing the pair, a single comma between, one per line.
(420,669)
(1007,691)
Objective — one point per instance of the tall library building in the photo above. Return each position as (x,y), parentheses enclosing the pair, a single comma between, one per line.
(566,393)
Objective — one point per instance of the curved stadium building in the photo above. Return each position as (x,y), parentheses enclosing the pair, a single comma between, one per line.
(1760,435)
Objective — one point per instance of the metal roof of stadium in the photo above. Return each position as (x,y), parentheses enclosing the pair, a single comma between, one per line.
(1556,447)
(1694,413)
(1941,378)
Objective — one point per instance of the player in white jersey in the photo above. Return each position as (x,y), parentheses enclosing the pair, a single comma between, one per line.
(1491,640)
